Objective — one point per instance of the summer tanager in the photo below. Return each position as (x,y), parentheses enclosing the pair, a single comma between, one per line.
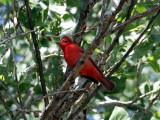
(72,53)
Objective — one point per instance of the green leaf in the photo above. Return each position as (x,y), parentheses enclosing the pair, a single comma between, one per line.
(4,2)
(119,113)
(2,78)
(23,86)
(143,49)
(130,88)
(52,73)
(23,18)
(153,62)
(141,8)
(37,89)
(155,37)
(37,15)
(2,69)
(98,50)
(67,17)
(138,28)
(156,86)
(139,114)
(67,21)
(158,19)
(121,17)
(55,26)
(73,3)
(44,14)
(120,83)
(46,2)
(57,2)
(2,49)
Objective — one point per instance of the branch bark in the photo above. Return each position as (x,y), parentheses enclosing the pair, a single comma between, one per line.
(116,66)
(82,23)
(38,56)
(74,73)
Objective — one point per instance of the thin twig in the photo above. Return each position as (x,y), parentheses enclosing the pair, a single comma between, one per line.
(129,21)
(150,106)
(16,78)
(116,66)
(68,102)
(67,91)
(7,35)
(98,39)
(145,36)
(3,53)
(134,114)
(21,110)
(75,34)
(137,76)
(121,103)
(116,39)
(6,106)
(134,44)
(9,93)
(14,37)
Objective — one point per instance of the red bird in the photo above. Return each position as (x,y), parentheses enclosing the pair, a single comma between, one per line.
(72,53)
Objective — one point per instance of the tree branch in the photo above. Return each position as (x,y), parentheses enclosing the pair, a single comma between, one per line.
(67,91)
(14,37)
(7,35)
(16,78)
(74,73)
(116,39)
(6,106)
(137,76)
(134,44)
(150,106)
(115,67)
(82,23)
(135,18)
(121,103)
(39,61)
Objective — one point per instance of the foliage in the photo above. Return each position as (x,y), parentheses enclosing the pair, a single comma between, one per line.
(55,17)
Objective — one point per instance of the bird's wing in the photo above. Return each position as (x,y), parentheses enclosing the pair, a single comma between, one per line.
(94,63)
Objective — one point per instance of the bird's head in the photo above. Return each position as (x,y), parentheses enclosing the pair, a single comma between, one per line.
(64,42)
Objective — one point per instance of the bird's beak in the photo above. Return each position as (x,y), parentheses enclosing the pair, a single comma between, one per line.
(58,43)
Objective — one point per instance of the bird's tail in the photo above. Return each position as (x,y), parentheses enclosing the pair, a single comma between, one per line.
(108,84)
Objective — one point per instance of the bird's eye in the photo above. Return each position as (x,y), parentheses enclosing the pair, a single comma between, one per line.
(65,41)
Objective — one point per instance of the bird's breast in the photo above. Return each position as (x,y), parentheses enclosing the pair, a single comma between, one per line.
(71,56)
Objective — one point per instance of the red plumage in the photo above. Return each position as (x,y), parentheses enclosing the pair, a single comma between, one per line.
(72,53)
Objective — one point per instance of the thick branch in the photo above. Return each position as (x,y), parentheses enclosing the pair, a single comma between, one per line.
(66,105)
(116,66)
(98,39)
(82,24)
(39,61)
